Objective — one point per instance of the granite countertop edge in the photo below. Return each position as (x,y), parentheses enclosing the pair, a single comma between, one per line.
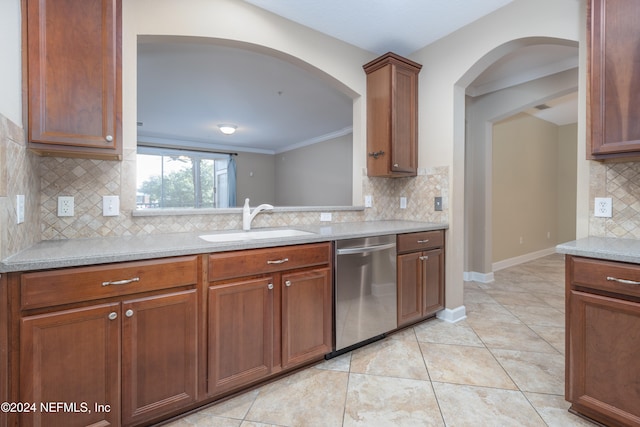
(61,253)
(607,248)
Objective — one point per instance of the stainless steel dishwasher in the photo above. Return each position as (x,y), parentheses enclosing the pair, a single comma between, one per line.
(365,291)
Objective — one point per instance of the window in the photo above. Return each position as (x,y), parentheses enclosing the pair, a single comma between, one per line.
(169,178)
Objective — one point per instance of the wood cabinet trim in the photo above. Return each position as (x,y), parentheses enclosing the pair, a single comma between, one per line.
(81,284)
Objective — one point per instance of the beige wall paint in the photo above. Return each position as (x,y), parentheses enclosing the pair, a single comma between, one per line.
(10,67)
(481,113)
(449,65)
(567,150)
(255,178)
(233,22)
(526,169)
(318,174)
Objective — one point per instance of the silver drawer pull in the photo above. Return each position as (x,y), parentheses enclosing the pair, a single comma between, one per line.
(270,286)
(423,241)
(113,315)
(424,258)
(288,283)
(278,261)
(128,313)
(121,282)
(624,281)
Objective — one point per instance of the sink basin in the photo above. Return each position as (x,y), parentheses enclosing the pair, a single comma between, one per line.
(238,236)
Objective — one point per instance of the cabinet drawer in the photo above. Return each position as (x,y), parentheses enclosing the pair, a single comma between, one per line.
(608,276)
(56,287)
(412,242)
(258,261)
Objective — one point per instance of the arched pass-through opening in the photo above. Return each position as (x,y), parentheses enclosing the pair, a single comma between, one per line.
(510,79)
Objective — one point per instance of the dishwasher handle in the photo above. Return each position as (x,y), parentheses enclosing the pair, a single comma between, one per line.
(365,249)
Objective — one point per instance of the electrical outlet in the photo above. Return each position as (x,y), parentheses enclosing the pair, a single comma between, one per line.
(403,203)
(65,206)
(325,216)
(368,201)
(602,207)
(19,208)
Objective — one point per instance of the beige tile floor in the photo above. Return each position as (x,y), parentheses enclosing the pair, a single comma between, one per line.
(502,366)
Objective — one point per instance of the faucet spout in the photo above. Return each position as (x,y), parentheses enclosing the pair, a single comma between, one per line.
(247,215)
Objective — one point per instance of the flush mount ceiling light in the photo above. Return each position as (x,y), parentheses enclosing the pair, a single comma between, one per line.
(228,129)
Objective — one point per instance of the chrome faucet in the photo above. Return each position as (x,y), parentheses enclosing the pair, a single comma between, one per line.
(247,215)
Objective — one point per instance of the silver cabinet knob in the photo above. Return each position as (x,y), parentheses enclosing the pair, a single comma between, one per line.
(270,286)
(287,283)
(395,165)
(128,313)
(113,315)
(108,138)
(424,258)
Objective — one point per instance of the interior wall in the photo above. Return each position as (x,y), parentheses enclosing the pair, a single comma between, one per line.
(10,66)
(317,174)
(567,182)
(255,178)
(449,66)
(481,113)
(525,194)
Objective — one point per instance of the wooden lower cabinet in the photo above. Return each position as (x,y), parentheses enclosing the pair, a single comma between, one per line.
(420,277)
(77,356)
(126,354)
(159,355)
(306,316)
(602,340)
(267,323)
(71,357)
(240,333)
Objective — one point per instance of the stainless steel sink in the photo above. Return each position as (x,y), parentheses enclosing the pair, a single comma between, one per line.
(238,236)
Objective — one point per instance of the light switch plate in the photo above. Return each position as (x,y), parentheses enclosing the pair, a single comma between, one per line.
(368,201)
(403,203)
(325,216)
(110,205)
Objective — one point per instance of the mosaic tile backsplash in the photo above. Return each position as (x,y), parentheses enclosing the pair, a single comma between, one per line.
(18,175)
(621,182)
(89,180)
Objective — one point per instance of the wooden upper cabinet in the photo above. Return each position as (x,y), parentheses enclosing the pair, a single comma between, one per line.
(74,77)
(392,116)
(614,37)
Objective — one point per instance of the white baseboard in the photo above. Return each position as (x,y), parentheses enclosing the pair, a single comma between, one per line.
(452,315)
(474,276)
(510,262)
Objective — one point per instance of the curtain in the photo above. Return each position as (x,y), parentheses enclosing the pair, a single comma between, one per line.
(231,181)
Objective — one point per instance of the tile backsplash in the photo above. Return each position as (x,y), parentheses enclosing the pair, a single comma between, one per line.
(621,182)
(19,174)
(89,180)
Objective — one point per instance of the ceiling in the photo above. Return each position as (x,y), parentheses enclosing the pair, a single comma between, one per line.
(186,89)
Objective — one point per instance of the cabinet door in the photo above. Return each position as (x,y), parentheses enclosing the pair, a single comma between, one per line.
(240,333)
(615,82)
(306,316)
(159,369)
(433,279)
(404,113)
(74,77)
(71,357)
(410,270)
(602,358)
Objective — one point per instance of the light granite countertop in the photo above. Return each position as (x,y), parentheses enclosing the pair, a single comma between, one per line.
(609,248)
(76,252)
